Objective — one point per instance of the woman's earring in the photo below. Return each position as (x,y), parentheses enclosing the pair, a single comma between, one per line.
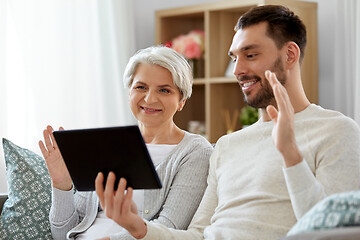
(179,109)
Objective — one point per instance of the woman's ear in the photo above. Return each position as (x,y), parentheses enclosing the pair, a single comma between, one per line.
(292,55)
(181,104)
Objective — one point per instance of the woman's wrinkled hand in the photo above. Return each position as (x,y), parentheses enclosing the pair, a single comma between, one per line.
(119,206)
(55,163)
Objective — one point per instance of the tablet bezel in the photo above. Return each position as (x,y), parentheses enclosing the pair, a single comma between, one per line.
(121,150)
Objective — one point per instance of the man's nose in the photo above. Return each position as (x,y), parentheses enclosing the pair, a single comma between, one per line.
(240,68)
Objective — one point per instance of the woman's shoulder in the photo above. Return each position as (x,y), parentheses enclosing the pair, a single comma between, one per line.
(197,140)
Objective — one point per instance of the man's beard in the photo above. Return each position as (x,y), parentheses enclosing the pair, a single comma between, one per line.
(265,95)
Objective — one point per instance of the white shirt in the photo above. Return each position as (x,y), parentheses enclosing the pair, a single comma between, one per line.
(104,226)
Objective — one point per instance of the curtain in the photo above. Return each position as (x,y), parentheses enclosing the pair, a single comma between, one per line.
(357,62)
(61,63)
(347,58)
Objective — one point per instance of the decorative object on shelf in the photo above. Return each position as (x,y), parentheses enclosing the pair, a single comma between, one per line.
(230,69)
(197,127)
(191,46)
(230,122)
(197,66)
(248,116)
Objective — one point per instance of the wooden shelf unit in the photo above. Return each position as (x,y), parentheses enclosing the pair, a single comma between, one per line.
(214,93)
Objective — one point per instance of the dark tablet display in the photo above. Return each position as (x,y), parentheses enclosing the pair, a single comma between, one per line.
(119,149)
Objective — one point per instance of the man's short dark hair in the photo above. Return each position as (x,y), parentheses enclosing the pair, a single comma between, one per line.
(283,25)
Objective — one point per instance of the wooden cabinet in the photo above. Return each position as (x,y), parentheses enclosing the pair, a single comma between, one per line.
(215,93)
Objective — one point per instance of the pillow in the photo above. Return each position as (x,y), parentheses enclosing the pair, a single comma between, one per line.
(338,210)
(25,214)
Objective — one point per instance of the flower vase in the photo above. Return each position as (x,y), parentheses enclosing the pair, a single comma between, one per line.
(196,66)
(193,65)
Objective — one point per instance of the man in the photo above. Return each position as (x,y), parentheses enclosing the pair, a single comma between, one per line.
(264,178)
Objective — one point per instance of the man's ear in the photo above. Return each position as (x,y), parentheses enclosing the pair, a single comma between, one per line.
(292,54)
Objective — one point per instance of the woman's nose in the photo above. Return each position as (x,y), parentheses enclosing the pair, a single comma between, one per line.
(150,97)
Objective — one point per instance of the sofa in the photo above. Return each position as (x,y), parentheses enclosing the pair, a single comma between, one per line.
(337,217)
(2,200)
(345,233)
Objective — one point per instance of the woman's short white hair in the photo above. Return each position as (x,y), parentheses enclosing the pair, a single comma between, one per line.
(167,58)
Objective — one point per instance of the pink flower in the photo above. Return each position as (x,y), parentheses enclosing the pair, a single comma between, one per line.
(191,45)
(178,44)
(193,50)
(168,44)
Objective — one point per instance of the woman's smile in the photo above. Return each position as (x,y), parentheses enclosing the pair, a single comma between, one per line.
(150,110)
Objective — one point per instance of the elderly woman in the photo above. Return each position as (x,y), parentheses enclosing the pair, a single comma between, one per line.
(159,82)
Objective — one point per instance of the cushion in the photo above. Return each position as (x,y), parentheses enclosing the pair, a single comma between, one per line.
(342,233)
(338,210)
(25,214)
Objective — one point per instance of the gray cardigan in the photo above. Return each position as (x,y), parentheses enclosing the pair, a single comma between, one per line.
(183,175)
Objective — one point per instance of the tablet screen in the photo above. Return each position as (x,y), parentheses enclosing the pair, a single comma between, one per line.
(119,149)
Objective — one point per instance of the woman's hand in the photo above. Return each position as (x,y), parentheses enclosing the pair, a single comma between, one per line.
(119,205)
(283,117)
(55,163)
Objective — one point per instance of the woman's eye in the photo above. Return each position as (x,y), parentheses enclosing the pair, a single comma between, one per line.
(164,90)
(140,87)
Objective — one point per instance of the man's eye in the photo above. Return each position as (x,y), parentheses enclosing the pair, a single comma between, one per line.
(250,56)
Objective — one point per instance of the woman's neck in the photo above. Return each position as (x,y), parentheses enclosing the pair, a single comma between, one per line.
(164,134)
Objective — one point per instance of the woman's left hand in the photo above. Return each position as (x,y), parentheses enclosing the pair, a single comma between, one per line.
(119,205)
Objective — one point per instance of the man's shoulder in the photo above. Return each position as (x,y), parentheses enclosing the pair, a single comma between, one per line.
(233,138)
(318,113)
(314,110)
(330,120)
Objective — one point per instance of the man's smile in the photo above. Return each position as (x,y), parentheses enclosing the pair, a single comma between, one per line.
(248,85)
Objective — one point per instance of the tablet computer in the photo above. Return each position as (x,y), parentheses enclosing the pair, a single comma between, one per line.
(121,150)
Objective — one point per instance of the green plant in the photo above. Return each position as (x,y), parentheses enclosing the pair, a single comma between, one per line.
(248,115)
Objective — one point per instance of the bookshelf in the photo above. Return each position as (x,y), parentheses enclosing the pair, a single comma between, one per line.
(214,93)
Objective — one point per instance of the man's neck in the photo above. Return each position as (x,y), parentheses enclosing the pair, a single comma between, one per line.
(295,91)
(297,105)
